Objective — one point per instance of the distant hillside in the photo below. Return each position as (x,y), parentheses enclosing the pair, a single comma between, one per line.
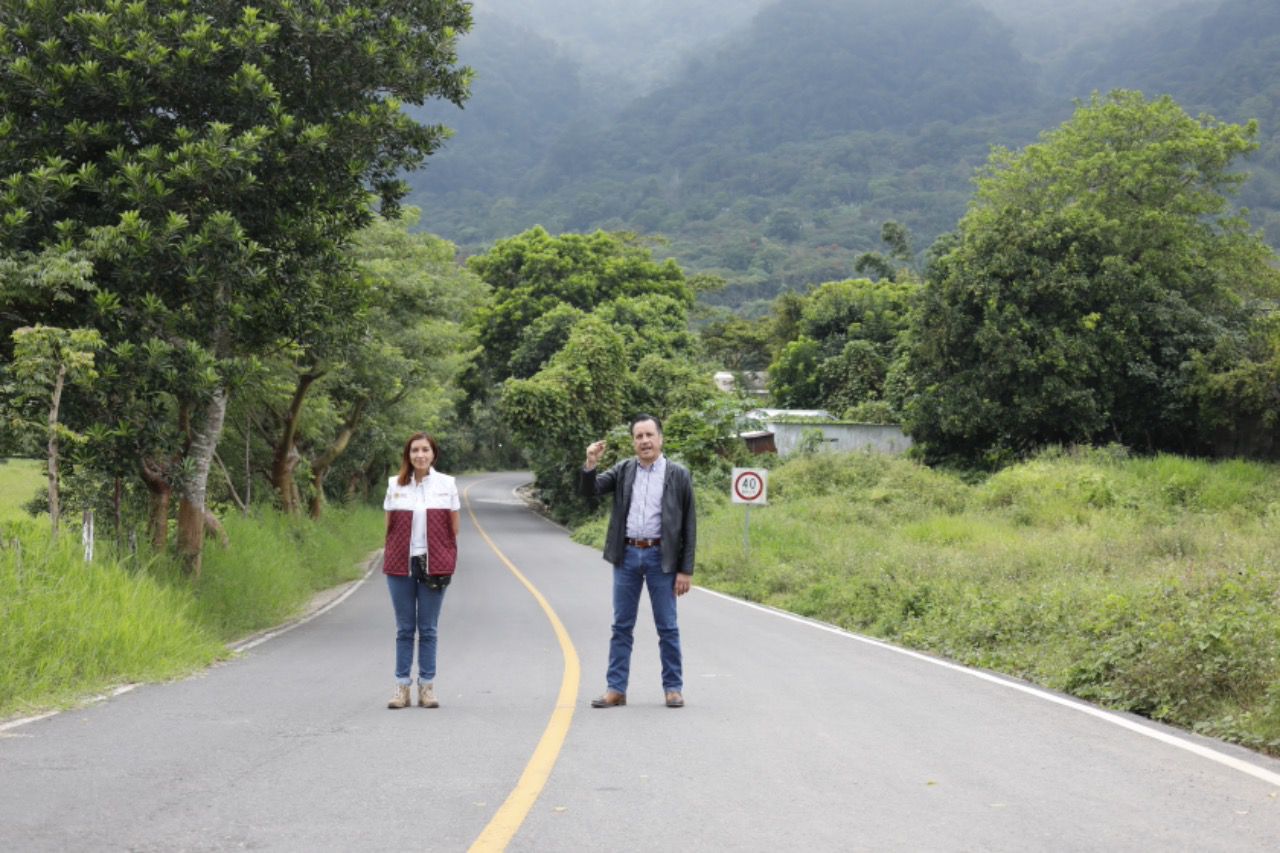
(625,47)
(809,69)
(773,159)
(1045,30)
(526,94)
(1223,60)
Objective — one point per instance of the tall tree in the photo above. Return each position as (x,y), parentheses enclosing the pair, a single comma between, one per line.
(212,157)
(414,346)
(575,399)
(1090,270)
(533,273)
(46,360)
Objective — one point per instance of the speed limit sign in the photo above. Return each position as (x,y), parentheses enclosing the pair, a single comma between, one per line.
(750,486)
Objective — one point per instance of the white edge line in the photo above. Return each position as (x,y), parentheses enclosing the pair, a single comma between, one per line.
(515,492)
(238,647)
(92,700)
(1116,719)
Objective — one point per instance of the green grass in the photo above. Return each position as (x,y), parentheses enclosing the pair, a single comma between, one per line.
(277,563)
(70,629)
(1149,585)
(20,480)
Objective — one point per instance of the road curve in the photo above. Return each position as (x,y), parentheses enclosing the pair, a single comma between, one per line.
(795,737)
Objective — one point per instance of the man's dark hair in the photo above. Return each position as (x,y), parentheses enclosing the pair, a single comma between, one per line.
(643,417)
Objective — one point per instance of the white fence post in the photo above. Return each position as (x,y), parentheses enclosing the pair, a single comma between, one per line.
(86,535)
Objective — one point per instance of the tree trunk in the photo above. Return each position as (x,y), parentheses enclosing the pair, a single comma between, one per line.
(55,510)
(191,506)
(214,530)
(355,483)
(285,458)
(320,468)
(231,487)
(158,516)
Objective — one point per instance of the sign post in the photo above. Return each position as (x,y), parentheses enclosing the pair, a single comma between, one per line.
(749,486)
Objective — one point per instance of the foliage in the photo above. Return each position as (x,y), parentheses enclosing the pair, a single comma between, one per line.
(897,239)
(585,330)
(1236,389)
(704,436)
(793,376)
(59,277)
(543,338)
(43,359)
(849,334)
(598,332)
(1144,584)
(533,273)
(1088,272)
(210,161)
(575,399)
(870,412)
(737,344)
(47,360)
(341,408)
(1166,53)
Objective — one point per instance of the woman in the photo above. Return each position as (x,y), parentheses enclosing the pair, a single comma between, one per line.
(418,559)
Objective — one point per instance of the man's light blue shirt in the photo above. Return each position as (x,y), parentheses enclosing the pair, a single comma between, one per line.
(644,519)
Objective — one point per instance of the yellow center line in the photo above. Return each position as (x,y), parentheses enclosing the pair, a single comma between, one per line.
(507,820)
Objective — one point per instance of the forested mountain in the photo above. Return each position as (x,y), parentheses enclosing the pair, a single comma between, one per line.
(1046,30)
(809,68)
(526,94)
(625,47)
(1223,60)
(779,149)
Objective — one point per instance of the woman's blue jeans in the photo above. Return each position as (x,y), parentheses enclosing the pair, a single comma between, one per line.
(643,567)
(417,609)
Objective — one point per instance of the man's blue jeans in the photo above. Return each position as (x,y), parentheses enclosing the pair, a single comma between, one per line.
(417,609)
(643,567)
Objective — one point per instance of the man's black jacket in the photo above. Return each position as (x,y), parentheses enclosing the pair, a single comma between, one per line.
(679,520)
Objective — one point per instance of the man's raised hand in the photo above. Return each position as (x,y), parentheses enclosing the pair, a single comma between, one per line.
(594,451)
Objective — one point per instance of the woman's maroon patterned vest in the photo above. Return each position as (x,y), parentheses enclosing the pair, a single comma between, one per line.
(442,546)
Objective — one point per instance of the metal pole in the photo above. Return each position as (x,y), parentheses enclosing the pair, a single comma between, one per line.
(746,530)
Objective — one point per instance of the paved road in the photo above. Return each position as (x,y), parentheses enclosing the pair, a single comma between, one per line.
(795,737)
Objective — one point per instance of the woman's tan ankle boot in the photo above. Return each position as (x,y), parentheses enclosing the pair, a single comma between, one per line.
(399,699)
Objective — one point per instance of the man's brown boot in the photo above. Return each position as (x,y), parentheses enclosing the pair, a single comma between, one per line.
(426,696)
(610,699)
(399,699)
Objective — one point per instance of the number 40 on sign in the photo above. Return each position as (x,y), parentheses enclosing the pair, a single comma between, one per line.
(750,486)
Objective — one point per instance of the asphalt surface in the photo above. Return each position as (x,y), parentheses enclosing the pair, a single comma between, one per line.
(795,737)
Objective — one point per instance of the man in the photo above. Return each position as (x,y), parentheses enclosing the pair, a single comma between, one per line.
(652,532)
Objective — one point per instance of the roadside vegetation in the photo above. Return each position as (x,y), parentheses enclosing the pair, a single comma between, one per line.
(72,628)
(1149,585)
(19,479)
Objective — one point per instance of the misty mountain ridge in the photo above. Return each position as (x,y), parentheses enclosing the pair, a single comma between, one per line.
(773,156)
